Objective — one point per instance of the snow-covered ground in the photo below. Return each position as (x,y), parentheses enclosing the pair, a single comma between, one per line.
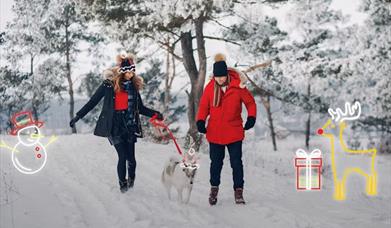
(78,188)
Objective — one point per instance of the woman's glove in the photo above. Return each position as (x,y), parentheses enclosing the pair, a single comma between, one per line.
(201,126)
(249,123)
(73,121)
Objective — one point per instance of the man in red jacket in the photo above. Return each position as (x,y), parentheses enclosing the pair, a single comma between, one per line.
(222,102)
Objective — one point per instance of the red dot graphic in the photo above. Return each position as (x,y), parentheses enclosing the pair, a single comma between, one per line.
(38,155)
(37,148)
(320,131)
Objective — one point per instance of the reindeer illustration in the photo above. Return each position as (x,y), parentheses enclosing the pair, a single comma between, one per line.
(351,112)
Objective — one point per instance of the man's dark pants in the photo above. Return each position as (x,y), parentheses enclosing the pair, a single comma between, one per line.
(217,154)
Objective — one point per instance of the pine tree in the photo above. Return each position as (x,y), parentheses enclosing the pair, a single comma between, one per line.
(368,66)
(372,64)
(12,98)
(316,62)
(26,42)
(68,28)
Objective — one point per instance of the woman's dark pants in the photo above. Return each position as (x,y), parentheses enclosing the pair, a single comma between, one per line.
(125,152)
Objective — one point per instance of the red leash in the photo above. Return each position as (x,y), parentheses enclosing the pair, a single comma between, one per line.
(160,124)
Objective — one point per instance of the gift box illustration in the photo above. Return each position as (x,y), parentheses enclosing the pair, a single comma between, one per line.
(308,169)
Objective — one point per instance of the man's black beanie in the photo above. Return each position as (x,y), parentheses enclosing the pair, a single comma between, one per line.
(220,69)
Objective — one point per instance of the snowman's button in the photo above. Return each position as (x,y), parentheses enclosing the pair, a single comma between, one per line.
(38,155)
(37,148)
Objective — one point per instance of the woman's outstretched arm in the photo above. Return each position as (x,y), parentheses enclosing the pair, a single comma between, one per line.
(147,111)
(94,100)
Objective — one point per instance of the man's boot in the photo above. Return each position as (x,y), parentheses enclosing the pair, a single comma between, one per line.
(214,190)
(239,196)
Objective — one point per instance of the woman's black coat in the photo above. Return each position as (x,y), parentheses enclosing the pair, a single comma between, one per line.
(105,121)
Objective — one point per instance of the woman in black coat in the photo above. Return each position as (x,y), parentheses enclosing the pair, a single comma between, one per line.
(119,119)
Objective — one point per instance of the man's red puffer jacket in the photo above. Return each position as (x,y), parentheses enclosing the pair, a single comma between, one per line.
(225,124)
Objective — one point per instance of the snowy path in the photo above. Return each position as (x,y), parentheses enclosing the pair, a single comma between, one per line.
(78,188)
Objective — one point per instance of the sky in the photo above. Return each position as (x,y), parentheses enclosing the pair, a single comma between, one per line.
(5,12)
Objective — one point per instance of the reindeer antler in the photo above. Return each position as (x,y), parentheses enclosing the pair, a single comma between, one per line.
(348,114)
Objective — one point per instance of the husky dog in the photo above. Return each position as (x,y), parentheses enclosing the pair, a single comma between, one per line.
(179,174)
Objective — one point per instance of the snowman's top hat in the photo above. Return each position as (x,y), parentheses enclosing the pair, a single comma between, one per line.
(23,119)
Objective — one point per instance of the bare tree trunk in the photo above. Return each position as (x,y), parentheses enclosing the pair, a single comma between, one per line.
(308,123)
(68,73)
(173,72)
(191,69)
(265,98)
(166,81)
(9,123)
(197,76)
(34,98)
(199,27)
(267,105)
(170,75)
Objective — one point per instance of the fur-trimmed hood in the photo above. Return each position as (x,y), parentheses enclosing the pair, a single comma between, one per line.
(238,79)
(110,73)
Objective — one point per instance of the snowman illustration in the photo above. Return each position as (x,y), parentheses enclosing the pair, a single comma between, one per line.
(28,155)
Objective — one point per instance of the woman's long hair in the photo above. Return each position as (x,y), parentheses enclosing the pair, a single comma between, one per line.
(138,82)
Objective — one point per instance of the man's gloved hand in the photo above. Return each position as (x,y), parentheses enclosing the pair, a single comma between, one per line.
(159,116)
(73,121)
(249,123)
(201,126)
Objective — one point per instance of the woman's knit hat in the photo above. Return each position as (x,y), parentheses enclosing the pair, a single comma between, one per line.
(126,63)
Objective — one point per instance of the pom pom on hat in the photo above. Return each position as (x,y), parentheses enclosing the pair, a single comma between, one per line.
(219,57)
(125,62)
(123,55)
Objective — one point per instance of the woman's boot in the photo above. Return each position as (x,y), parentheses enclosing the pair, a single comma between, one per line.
(131,182)
(123,186)
(214,190)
